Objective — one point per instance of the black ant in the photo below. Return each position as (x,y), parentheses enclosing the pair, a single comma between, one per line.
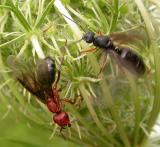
(126,57)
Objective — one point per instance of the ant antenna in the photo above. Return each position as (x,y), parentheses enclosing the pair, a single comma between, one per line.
(73,21)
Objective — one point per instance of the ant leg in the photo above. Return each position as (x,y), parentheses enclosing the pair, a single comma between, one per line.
(60,131)
(100,33)
(80,100)
(103,62)
(58,78)
(69,101)
(87,50)
(118,61)
(65,43)
(74,101)
(59,72)
(64,48)
(47,28)
(60,89)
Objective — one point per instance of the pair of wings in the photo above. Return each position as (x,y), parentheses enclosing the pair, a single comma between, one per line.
(37,77)
(130,60)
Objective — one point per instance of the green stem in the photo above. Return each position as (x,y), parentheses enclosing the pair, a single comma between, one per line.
(102,16)
(11,41)
(137,108)
(19,16)
(156,103)
(114,16)
(83,19)
(40,19)
(91,109)
(93,113)
(108,99)
(6,7)
(146,18)
(22,20)
(89,128)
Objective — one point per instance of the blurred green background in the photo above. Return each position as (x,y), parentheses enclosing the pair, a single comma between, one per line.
(23,133)
(117,110)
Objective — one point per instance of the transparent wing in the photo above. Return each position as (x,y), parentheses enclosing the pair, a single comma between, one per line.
(34,77)
(125,38)
(129,60)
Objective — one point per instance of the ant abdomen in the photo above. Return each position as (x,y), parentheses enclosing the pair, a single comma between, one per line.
(131,61)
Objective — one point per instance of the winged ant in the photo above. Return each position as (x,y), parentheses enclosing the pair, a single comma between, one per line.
(40,80)
(125,57)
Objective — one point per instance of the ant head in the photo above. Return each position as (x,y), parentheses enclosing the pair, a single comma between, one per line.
(89,37)
(62,119)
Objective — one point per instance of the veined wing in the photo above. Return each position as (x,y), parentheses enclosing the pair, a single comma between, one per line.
(36,78)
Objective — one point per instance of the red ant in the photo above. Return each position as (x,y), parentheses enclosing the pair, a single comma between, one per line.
(54,105)
(39,80)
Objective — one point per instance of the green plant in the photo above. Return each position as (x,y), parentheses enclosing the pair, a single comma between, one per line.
(116,110)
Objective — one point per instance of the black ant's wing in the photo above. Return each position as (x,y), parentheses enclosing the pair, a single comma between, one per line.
(130,60)
(127,57)
(26,74)
(124,38)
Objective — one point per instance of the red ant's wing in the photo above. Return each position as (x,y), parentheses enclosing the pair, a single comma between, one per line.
(26,74)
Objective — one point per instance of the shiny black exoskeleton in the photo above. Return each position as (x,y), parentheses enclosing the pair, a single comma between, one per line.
(46,70)
(103,42)
(128,58)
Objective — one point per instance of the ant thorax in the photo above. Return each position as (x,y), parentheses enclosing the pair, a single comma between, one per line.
(52,106)
(104,42)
